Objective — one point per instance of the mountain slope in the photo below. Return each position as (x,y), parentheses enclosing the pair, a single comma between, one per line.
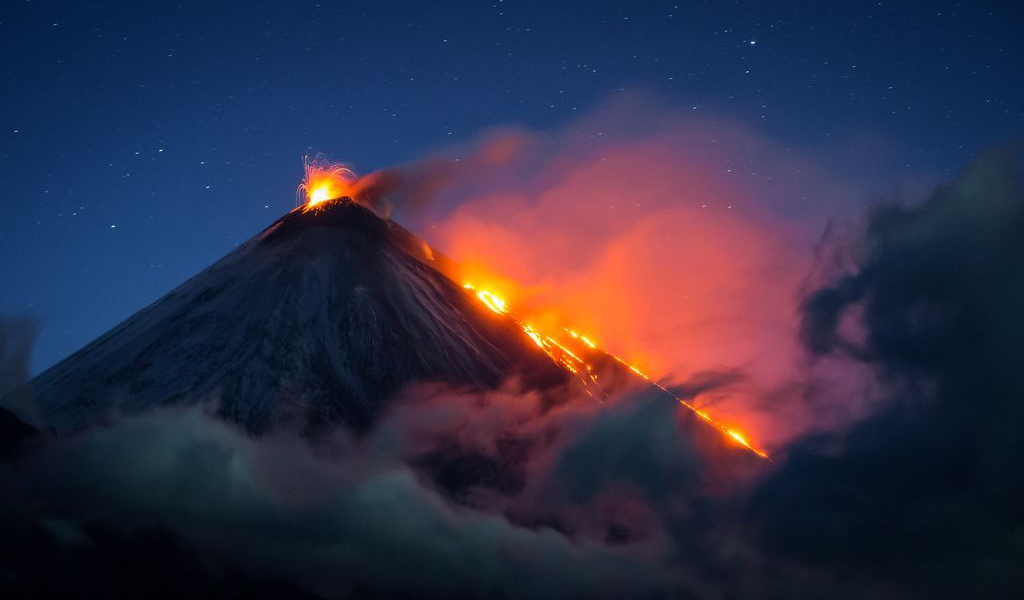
(318,319)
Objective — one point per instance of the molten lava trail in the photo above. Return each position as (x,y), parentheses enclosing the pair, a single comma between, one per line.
(571,361)
(327,181)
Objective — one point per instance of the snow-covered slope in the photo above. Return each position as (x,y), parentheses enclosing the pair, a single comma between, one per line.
(320,318)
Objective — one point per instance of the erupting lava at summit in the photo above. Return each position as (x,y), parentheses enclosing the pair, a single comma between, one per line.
(324,181)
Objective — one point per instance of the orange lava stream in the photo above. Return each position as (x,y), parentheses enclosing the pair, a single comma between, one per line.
(325,181)
(569,360)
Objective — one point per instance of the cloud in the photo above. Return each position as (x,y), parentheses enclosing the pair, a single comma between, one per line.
(921,498)
(340,517)
(414,186)
(679,243)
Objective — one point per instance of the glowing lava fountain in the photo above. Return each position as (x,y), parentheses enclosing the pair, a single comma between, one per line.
(324,181)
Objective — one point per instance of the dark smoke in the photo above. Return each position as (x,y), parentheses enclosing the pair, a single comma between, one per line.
(921,499)
(413,186)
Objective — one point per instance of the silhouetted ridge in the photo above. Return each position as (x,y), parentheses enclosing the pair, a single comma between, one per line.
(319,319)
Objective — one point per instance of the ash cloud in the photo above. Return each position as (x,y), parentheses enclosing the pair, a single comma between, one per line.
(678,242)
(921,498)
(412,187)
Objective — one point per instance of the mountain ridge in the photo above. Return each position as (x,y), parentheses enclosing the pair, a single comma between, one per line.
(318,319)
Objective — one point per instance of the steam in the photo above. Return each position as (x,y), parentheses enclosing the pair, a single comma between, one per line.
(680,245)
(414,186)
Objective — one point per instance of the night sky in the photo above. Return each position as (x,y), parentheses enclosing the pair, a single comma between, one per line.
(141,141)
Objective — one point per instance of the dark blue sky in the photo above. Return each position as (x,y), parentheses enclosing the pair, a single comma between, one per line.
(139,143)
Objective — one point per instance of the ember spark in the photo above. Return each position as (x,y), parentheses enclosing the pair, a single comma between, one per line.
(324,181)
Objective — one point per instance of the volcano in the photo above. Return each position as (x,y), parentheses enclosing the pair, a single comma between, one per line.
(319,319)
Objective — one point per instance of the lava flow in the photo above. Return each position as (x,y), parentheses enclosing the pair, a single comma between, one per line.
(327,181)
(562,355)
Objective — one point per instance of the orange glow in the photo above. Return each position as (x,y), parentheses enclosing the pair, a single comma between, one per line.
(493,301)
(571,361)
(582,338)
(530,331)
(653,251)
(324,181)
